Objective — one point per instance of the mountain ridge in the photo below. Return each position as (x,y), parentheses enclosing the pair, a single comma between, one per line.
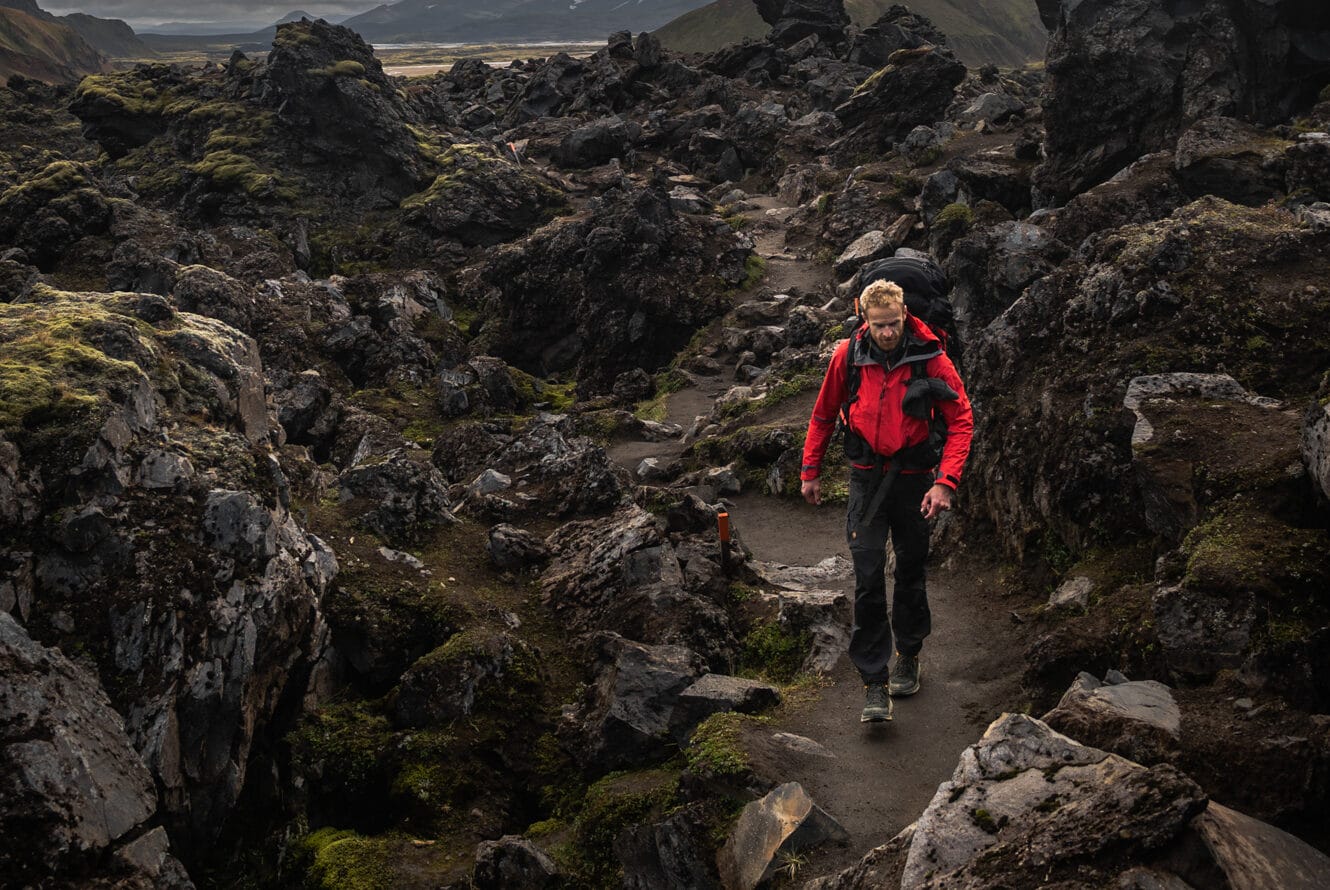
(110,37)
(44,49)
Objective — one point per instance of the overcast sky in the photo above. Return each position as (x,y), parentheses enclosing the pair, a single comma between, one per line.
(148,12)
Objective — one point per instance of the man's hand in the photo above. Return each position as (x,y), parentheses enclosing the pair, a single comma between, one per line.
(812,490)
(936,499)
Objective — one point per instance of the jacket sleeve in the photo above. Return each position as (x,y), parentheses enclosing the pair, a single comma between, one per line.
(823,422)
(960,423)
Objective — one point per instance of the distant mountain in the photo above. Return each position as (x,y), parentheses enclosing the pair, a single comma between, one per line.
(110,37)
(44,49)
(259,39)
(205,29)
(1005,32)
(198,29)
(415,21)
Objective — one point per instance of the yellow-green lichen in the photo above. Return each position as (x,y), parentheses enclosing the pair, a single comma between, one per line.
(50,368)
(232,170)
(342,68)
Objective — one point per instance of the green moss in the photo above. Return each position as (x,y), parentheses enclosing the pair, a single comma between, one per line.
(344,860)
(221,141)
(773,653)
(231,170)
(344,744)
(755,267)
(50,366)
(58,178)
(824,203)
(294,35)
(776,393)
(954,218)
(715,748)
(613,804)
(984,819)
(1241,548)
(342,68)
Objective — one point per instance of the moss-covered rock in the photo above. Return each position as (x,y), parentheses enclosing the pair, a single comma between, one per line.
(482,198)
(1241,549)
(475,671)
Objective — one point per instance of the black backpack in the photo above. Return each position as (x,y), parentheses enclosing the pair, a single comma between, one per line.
(926,288)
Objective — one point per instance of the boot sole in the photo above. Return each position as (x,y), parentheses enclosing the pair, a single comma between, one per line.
(863,718)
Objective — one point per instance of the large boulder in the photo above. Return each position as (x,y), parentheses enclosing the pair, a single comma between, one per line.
(794,20)
(876,116)
(639,273)
(626,718)
(75,798)
(1136,719)
(317,120)
(1139,299)
(482,197)
(1126,76)
(624,574)
(1025,797)
(194,592)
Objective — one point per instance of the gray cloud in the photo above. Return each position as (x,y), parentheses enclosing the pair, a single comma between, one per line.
(144,12)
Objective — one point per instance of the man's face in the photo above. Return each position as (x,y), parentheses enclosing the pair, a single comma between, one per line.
(886,325)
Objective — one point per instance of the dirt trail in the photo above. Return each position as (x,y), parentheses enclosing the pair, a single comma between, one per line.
(882,775)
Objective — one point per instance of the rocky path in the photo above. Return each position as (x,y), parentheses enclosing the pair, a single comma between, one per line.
(881,776)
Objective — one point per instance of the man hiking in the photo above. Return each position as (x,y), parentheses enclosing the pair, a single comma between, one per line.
(898,396)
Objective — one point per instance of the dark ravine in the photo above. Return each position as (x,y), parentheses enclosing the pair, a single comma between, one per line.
(362,441)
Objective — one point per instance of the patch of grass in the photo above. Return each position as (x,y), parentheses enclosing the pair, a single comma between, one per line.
(755,268)
(738,222)
(714,749)
(773,653)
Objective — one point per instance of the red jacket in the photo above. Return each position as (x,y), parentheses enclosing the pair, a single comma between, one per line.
(877,414)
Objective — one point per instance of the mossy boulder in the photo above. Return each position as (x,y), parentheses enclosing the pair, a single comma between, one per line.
(49,212)
(1215,286)
(642,279)
(481,197)
(476,670)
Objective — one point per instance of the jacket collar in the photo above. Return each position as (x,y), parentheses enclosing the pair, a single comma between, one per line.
(921,344)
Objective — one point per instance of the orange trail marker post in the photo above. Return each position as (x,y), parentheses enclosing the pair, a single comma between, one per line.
(723,526)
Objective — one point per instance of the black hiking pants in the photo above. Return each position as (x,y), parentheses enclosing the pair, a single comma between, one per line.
(909,619)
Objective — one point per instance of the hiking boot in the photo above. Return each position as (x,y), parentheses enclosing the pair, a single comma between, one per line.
(905,675)
(877,704)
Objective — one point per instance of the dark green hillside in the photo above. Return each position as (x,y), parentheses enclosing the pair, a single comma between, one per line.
(1006,32)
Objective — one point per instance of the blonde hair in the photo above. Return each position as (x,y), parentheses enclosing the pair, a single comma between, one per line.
(881,293)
